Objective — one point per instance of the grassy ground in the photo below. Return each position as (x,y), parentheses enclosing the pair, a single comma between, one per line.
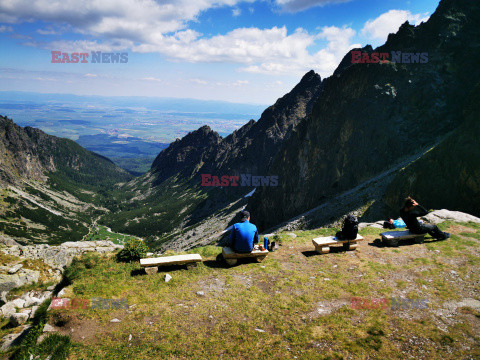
(295,305)
(101,233)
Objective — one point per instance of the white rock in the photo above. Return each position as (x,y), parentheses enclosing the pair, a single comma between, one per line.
(130,337)
(200,293)
(48,328)
(61,292)
(167,278)
(8,309)
(260,330)
(19,303)
(115,320)
(34,310)
(18,319)
(15,268)
(439,216)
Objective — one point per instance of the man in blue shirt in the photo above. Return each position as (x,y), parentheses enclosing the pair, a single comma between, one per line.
(243,235)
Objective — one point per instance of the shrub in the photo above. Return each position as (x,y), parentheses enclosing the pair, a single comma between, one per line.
(133,250)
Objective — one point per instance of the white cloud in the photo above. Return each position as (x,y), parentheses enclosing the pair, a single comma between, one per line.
(135,20)
(4,28)
(242,45)
(325,61)
(300,5)
(236,12)
(389,22)
(47,32)
(199,81)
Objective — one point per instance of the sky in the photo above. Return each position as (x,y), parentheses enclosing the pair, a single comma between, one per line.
(231,50)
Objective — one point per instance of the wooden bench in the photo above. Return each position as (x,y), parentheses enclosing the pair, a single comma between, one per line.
(151,264)
(231,257)
(322,244)
(391,238)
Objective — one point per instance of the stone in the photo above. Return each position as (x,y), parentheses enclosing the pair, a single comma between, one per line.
(8,309)
(151,270)
(167,278)
(260,330)
(51,287)
(438,216)
(18,319)
(14,269)
(48,328)
(115,320)
(34,310)
(200,293)
(14,339)
(19,303)
(32,300)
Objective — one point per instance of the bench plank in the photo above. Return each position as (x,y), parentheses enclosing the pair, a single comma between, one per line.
(322,244)
(406,234)
(331,240)
(228,253)
(171,260)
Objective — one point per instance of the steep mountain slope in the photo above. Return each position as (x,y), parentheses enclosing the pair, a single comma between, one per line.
(371,116)
(49,187)
(169,202)
(449,175)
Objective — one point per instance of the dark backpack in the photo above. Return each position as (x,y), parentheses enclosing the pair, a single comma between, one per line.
(349,229)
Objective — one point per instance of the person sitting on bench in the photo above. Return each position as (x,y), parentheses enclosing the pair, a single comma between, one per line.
(244,234)
(409,214)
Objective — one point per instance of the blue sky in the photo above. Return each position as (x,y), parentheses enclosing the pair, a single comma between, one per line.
(239,51)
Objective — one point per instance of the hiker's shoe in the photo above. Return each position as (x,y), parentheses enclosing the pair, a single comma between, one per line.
(445,236)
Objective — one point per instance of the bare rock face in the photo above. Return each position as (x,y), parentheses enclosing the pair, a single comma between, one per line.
(438,216)
(371,116)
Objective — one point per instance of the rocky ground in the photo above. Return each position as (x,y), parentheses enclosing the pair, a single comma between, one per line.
(296,304)
(29,275)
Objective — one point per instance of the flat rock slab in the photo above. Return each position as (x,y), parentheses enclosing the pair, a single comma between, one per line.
(228,253)
(171,260)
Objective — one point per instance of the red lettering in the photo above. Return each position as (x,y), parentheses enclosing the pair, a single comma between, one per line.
(215,181)
(206,179)
(384,57)
(65,58)
(356,303)
(56,57)
(74,58)
(365,58)
(375,58)
(234,180)
(224,179)
(356,57)
(83,56)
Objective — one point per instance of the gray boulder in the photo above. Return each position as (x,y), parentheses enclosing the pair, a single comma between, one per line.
(18,319)
(438,216)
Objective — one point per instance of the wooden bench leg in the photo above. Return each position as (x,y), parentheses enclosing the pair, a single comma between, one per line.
(259,259)
(323,249)
(151,270)
(231,262)
(349,246)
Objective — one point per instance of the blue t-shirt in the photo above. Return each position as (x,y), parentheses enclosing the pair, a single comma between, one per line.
(243,236)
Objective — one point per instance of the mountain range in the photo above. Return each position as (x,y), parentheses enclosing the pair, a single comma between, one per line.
(356,142)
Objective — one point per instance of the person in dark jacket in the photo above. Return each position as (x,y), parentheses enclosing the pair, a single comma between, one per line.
(409,214)
(244,234)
